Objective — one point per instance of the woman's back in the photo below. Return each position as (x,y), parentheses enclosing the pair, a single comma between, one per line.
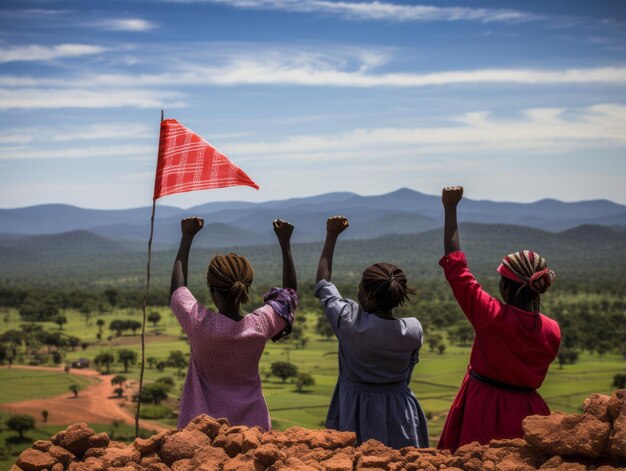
(223,375)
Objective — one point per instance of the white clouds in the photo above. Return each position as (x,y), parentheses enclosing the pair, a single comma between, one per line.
(35,52)
(130,24)
(77,152)
(38,98)
(536,130)
(376,10)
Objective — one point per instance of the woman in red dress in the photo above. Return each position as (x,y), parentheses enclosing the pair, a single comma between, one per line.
(514,344)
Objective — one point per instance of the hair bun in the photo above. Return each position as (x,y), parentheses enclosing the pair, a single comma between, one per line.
(540,281)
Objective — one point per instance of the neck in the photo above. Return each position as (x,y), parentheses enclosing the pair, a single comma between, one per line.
(229,309)
(388,314)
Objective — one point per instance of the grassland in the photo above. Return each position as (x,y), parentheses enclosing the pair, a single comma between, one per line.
(435,380)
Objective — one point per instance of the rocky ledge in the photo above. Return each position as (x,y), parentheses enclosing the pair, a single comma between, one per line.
(594,440)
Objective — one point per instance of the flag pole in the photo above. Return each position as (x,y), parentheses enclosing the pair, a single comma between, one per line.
(143,323)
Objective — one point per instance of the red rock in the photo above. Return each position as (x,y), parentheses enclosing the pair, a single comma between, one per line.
(617,448)
(61,455)
(42,445)
(207,425)
(339,462)
(99,440)
(296,464)
(119,457)
(568,467)
(251,439)
(158,467)
(57,467)
(369,462)
(94,452)
(268,454)
(553,462)
(242,463)
(617,403)
(75,438)
(567,435)
(231,444)
(182,445)
(149,445)
(513,465)
(34,460)
(182,465)
(149,459)
(90,464)
(213,456)
(598,406)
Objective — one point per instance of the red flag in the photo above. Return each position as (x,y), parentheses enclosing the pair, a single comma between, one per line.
(188,163)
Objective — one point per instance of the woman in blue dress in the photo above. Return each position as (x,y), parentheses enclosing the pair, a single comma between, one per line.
(377,353)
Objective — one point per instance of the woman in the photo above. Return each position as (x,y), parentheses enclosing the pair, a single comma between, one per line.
(513,347)
(377,353)
(226,346)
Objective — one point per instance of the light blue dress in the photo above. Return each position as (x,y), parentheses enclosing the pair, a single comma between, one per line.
(376,360)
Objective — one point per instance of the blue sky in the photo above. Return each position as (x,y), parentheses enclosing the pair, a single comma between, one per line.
(517,101)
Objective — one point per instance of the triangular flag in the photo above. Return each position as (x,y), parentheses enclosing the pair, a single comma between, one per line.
(188,163)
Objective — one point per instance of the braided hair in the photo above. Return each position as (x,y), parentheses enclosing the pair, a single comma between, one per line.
(387,284)
(232,275)
(530,271)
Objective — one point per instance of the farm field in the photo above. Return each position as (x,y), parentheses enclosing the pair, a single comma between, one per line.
(435,379)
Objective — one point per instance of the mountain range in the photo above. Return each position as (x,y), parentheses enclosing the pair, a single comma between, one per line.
(237,224)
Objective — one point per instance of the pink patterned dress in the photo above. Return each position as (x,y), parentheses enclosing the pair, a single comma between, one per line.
(223,376)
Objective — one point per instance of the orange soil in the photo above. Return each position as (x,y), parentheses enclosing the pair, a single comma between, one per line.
(94,404)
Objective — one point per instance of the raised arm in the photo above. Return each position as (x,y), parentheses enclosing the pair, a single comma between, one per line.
(334,226)
(450,197)
(189,228)
(283,232)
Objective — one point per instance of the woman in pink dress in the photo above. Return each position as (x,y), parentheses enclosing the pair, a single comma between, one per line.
(514,343)
(226,346)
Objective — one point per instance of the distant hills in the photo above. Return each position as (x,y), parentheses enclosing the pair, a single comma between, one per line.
(236,224)
(586,254)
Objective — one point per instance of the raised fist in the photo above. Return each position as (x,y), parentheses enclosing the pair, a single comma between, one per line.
(336,224)
(451,195)
(191,226)
(283,230)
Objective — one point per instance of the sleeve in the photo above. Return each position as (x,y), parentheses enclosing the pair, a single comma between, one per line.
(477,305)
(187,309)
(338,310)
(279,319)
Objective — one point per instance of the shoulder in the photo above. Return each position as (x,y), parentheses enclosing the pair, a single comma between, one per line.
(453,259)
(412,326)
(182,297)
(551,327)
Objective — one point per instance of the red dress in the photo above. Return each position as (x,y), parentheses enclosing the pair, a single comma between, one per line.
(507,349)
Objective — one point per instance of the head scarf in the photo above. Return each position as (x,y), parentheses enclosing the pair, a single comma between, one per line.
(528,269)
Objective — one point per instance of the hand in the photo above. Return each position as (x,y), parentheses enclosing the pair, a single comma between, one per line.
(283,230)
(451,195)
(191,226)
(336,225)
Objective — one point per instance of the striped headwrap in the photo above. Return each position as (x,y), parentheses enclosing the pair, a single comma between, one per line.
(527,268)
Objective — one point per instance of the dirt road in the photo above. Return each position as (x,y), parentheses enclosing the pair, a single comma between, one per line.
(95,404)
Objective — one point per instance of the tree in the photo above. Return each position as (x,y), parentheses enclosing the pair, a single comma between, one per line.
(112,296)
(284,370)
(119,392)
(154,392)
(104,359)
(151,362)
(567,356)
(167,381)
(44,416)
(84,345)
(100,323)
(177,360)
(60,320)
(20,423)
(126,357)
(323,328)
(619,381)
(118,325)
(133,325)
(74,388)
(441,348)
(433,341)
(154,317)
(73,342)
(118,379)
(303,380)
